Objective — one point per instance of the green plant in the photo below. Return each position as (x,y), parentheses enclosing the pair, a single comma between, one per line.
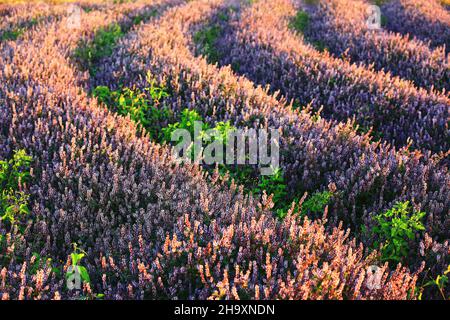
(380,2)
(138,19)
(241,174)
(320,45)
(143,107)
(440,282)
(15,171)
(273,184)
(14,204)
(206,40)
(317,202)
(157,93)
(15,33)
(88,54)
(300,22)
(13,174)
(87,9)
(384,20)
(187,121)
(223,16)
(104,95)
(395,228)
(313,205)
(223,131)
(77,269)
(41,262)
(134,104)
(220,132)
(363,130)
(12,34)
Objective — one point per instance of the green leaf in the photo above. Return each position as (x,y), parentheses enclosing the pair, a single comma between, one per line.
(84,274)
(396,226)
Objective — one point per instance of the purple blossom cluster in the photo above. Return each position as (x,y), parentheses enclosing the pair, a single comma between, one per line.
(316,154)
(341,25)
(260,46)
(427,20)
(22,16)
(153,228)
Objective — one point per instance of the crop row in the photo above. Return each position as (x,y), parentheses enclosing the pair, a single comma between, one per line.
(394,108)
(15,20)
(263,48)
(150,228)
(316,154)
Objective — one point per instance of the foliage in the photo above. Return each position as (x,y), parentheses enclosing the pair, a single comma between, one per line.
(12,34)
(14,205)
(223,131)
(380,2)
(78,270)
(314,205)
(395,228)
(138,19)
(187,121)
(273,184)
(320,45)
(241,174)
(383,20)
(40,262)
(220,132)
(317,202)
(15,33)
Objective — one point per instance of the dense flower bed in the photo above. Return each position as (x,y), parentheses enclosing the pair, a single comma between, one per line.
(316,154)
(262,48)
(341,25)
(152,228)
(425,19)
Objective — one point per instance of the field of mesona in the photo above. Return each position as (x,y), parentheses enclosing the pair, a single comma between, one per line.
(95,203)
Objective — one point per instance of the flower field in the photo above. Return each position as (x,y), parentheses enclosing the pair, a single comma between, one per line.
(95,204)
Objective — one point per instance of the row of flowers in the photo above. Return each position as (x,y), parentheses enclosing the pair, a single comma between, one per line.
(316,154)
(150,228)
